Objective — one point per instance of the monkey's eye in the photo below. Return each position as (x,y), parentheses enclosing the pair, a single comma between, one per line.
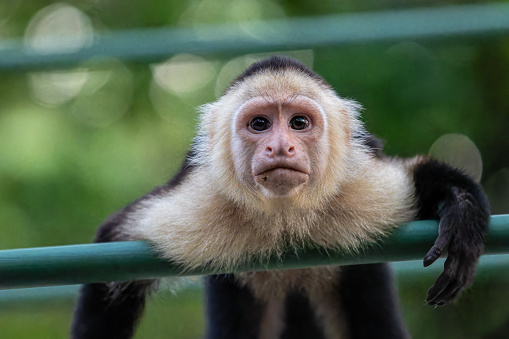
(260,124)
(299,123)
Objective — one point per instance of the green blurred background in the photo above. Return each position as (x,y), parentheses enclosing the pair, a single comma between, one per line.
(80,143)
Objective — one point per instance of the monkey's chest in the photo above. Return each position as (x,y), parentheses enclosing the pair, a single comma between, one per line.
(312,281)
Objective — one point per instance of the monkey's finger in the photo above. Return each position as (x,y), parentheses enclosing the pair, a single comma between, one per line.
(438,287)
(444,279)
(445,296)
(441,243)
(458,274)
(446,288)
(433,254)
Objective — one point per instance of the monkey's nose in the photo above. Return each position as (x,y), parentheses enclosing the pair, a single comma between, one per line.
(287,151)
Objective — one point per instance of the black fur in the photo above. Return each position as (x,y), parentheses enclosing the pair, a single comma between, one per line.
(454,198)
(375,144)
(232,311)
(300,320)
(370,302)
(278,63)
(107,312)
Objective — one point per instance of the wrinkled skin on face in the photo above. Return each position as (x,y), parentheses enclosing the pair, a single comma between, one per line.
(281,136)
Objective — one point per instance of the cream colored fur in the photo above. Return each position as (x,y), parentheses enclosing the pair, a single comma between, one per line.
(195,225)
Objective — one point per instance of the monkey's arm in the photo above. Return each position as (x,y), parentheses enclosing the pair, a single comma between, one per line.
(112,309)
(460,204)
(109,309)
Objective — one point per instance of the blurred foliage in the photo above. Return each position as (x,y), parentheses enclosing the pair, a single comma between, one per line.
(75,145)
(166,316)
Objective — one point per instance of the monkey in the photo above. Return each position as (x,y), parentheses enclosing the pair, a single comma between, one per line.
(280,163)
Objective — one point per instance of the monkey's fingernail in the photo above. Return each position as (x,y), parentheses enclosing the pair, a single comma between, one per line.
(432,256)
(428,260)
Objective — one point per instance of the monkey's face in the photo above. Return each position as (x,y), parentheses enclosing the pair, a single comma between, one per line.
(280,136)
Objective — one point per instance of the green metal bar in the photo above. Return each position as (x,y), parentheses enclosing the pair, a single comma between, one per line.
(38,294)
(157,44)
(491,268)
(65,265)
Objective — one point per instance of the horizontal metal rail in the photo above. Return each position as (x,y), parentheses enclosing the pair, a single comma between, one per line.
(491,268)
(65,265)
(464,21)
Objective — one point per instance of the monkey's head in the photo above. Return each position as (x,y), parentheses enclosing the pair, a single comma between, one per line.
(279,132)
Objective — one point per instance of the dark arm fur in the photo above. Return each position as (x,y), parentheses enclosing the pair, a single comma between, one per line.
(454,198)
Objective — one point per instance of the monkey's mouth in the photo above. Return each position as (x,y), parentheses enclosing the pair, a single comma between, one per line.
(281,180)
(279,171)
(280,168)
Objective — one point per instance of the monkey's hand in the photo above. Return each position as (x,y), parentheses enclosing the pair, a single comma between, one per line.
(464,216)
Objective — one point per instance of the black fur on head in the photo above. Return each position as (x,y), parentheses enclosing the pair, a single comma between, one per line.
(274,64)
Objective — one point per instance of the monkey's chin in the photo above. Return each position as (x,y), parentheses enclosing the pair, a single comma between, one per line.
(281,181)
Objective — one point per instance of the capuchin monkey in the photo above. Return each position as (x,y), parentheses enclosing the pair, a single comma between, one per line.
(281,163)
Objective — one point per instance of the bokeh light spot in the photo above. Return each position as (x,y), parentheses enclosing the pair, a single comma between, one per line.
(59,27)
(52,89)
(459,151)
(184,74)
